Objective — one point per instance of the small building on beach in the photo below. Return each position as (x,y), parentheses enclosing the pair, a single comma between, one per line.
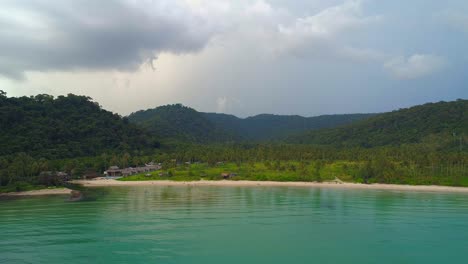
(115,171)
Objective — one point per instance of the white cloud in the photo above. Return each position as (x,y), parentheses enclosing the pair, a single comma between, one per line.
(84,36)
(320,34)
(260,8)
(330,21)
(226,104)
(221,104)
(415,66)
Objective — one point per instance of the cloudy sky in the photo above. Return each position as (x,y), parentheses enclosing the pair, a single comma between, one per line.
(242,57)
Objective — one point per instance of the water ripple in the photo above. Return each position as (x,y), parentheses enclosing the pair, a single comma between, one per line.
(232,225)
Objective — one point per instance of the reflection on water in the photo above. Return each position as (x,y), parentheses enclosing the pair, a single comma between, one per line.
(191,224)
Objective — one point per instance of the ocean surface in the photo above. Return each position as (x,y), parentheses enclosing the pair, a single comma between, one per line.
(236,225)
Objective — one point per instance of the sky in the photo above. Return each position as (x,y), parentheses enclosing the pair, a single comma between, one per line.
(241,57)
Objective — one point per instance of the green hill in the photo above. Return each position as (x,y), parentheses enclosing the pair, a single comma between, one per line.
(177,122)
(443,124)
(64,127)
(273,127)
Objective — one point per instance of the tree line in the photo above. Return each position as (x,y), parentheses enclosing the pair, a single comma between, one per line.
(412,164)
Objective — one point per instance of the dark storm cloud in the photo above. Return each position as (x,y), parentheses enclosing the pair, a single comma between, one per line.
(66,35)
(246,57)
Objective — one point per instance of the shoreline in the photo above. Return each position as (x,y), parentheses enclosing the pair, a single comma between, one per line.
(55,191)
(242,183)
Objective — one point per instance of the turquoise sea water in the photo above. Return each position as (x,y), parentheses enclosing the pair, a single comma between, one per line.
(236,225)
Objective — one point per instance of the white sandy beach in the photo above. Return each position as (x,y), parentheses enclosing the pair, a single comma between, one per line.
(111,182)
(425,188)
(55,191)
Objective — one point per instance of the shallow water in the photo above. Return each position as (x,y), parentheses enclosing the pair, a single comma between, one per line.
(236,225)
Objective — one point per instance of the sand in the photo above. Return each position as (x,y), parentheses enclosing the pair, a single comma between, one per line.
(54,191)
(424,188)
(110,182)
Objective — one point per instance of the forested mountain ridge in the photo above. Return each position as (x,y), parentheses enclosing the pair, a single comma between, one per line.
(177,122)
(444,124)
(173,123)
(64,127)
(74,126)
(272,127)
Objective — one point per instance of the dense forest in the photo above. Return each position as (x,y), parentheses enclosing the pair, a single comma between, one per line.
(181,123)
(178,123)
(65,127)
(420,145)
(275,127)
(443,125)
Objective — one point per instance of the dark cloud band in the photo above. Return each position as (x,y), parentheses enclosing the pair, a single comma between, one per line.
(67,35)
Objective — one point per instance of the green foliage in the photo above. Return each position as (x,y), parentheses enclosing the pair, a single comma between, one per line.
(177,123)
(379,165)
(438,125)
(316,174)
(274,127)
(20,187)
(180,123)
(65,127)
(398,165)
(419,145)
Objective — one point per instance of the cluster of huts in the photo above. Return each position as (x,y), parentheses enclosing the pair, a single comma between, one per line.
(115,171)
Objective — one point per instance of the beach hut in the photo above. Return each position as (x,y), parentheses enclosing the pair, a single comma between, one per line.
(113,171)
